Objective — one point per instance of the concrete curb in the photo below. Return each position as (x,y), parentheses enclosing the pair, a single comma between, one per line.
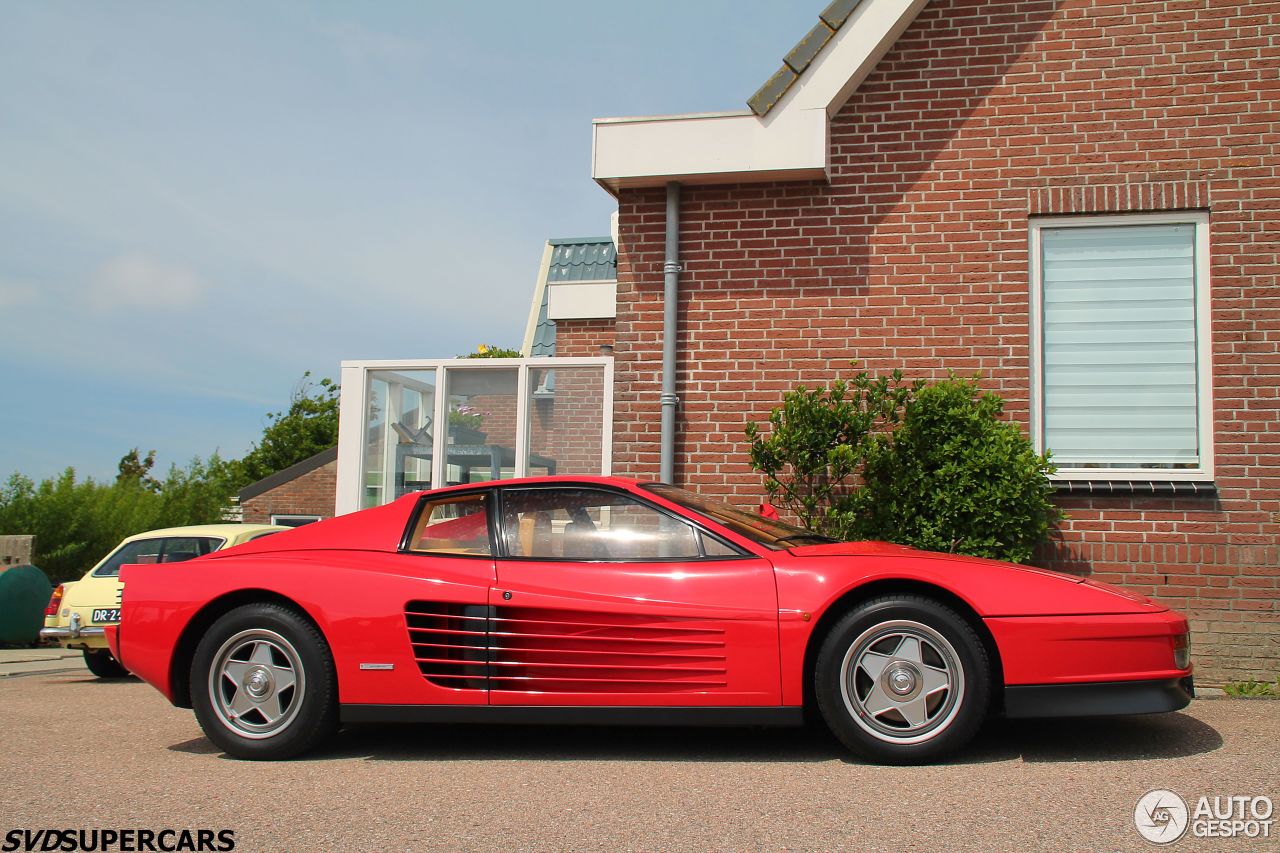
(39,661)
(6,675)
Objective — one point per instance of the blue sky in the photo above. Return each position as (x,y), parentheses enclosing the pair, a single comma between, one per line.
(201,201)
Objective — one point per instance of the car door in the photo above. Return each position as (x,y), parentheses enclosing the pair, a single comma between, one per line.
(605,599)
(441,583)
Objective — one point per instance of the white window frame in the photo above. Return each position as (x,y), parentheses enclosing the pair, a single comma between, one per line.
(283,518)
(354,393)
(1204,343)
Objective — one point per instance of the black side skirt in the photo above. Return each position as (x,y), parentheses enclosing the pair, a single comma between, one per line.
(577,716)
(1098,700)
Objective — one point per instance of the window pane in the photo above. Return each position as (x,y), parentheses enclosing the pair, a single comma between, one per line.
(398,434)
(584,524)
(183,548)
(1120,345)
(453,526)
(716,548)
(566,420)
(482,424)
(142,551)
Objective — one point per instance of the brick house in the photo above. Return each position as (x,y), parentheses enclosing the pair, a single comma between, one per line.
(302,493)
(1080,199)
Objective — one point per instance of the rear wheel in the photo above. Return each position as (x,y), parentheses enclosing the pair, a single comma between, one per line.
(903,680)
(102,664)
(263,683)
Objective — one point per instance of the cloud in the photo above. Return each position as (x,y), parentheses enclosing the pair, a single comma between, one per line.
(138,280)
(15,293)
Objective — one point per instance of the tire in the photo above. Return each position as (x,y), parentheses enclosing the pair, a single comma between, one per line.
(102,664)
(263,685)
(902,680)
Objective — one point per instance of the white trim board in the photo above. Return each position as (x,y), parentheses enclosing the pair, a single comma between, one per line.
(789,143)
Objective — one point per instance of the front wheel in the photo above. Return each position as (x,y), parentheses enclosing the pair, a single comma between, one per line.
(263,683)
(102,664)
(903,680)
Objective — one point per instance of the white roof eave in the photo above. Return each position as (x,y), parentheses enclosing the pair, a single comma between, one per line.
(788,143)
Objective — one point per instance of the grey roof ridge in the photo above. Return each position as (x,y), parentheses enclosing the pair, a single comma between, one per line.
(568,241)
(801,56)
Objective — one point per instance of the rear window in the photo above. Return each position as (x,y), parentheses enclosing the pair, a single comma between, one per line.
(165,549)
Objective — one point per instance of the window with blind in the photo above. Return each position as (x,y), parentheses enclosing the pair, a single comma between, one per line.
(1121,344)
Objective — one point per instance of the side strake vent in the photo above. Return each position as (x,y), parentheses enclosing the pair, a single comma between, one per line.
(450,642)
(563,651)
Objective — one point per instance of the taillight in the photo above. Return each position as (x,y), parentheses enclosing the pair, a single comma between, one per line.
(54,601)
(1182,651)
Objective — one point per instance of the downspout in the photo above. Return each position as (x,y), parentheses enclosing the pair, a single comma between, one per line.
(670,299)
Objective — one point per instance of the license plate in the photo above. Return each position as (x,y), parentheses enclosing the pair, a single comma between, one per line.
(106,614)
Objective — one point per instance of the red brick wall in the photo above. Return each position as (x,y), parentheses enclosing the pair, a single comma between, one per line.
(583,338)
(311,494)
(914,255)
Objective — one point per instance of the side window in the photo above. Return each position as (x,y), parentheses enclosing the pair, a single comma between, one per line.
(715,548)
(182,548)
(453,526)
(585,524)
(140,551)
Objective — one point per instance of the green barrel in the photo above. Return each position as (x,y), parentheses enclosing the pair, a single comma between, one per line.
(24,594)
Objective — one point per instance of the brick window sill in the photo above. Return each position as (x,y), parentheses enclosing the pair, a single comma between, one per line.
(1103,488)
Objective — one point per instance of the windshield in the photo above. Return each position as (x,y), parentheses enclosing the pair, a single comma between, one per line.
(765,531)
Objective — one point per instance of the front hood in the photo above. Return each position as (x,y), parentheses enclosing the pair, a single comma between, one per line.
(888,549)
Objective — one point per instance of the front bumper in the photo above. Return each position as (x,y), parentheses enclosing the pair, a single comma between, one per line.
(1098,699)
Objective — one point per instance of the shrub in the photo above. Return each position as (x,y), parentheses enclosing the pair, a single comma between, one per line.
(818,442)
(928,465)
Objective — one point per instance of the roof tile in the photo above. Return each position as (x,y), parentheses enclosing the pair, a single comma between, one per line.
(838,12)
(773,89)
(804,52)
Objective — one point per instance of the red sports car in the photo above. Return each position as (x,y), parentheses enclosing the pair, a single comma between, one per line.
(602,600)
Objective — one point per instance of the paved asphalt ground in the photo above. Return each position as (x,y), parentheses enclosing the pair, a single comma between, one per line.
(76,752)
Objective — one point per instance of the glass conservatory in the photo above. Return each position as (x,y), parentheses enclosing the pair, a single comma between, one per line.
(411,425)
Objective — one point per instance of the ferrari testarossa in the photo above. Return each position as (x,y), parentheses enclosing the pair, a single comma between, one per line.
(603,600)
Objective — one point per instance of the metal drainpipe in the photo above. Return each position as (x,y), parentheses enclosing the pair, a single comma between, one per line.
(670,298)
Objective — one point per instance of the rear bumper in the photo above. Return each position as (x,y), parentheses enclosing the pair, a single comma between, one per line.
(1098,699)
(70,633)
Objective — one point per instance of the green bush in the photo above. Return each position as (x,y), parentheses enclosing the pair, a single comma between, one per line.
(928,465)
(819,440)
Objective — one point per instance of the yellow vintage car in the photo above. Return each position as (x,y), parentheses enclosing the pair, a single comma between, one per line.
(78,610)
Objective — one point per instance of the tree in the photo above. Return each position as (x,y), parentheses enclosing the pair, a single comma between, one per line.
(308,426)
(932,466)
(77,522)
(133,468)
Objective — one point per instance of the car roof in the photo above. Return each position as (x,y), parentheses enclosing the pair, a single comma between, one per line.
(553,480)
(224,531)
